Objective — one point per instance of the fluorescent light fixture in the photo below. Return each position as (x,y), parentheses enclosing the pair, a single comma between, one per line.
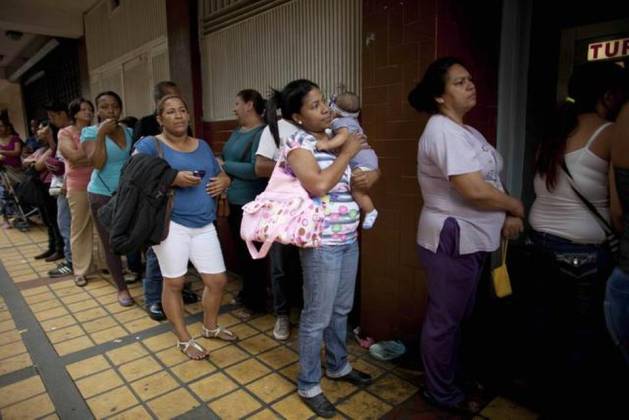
(50,45)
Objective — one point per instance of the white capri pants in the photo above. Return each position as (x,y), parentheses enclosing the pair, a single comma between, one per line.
(199,245)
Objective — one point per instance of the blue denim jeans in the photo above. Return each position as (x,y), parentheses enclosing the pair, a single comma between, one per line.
(329,282)
(63,222)
(152,279)
(617,310)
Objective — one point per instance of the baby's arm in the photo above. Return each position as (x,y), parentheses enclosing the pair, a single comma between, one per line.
(341,136)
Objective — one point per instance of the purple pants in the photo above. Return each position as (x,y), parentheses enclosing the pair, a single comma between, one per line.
(451,280)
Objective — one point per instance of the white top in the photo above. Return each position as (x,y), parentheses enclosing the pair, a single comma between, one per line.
(561,212)
(267,147)
(446,149)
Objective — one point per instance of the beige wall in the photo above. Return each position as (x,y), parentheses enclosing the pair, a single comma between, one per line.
(315,39)
(11,99)
(110,35)
(127,51)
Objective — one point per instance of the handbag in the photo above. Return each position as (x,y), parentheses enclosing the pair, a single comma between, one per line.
(284,212)
(611,239)
(500,275)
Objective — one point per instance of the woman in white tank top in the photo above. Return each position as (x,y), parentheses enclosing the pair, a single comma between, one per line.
(571,261)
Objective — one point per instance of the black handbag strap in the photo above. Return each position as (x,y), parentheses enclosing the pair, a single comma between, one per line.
(607,228)
(158,146)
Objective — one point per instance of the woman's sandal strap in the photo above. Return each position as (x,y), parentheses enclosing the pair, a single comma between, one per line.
(183,346)
(216,333)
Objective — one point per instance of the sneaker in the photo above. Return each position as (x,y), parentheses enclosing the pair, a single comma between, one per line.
(62,270)
(131,277)
(282,328)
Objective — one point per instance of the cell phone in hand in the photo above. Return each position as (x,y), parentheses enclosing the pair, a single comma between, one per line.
(199,173)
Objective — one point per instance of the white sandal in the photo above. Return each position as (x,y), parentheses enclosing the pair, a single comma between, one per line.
(220,333)
(183,346)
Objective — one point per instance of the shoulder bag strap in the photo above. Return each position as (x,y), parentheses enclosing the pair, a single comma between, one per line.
(607,228)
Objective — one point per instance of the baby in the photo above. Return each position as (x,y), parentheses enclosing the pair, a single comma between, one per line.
(345,109)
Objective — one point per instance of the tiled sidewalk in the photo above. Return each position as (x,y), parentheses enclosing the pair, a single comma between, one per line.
(70,352)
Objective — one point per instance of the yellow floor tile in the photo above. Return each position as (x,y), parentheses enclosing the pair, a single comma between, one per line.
(171,356)
(227,356)
(271,387)
(139,368)
(227,320)
(335,390)
(87,367)
(173,404)
(7,325)
(116,308)
(64,334)
(12,349)
(62,285)
(368,368)
(247,371)
(126,353)
(243,331)
(154,385)
(160,342)
(5,315)
(392,389)
(292,407)
(263,323)
(140,324)
(112,402)
(192,369)
(90,314)
(29,409)
(79,297)
(69,291)
(44,306)
(136,413)
(51,313)
(15,363)
(26,277)
(364,405)
(110,334)
(107,299)
(39,297)
(291,372)
(264,415)
(99,324)
(235,405)
(9,337)
(258,344)
(279,357)
(56,323)
(102,291)
(130,315)
(20,391)
(50,417)
(74,345)
(501,408)
(83,305)
(213,386)
(99,383)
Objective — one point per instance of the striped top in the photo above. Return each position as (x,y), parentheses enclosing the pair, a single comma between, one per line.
(341,211)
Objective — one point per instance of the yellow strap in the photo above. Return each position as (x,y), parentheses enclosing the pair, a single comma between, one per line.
(505,244)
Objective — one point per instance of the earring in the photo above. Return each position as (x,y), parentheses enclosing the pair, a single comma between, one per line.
(299,122)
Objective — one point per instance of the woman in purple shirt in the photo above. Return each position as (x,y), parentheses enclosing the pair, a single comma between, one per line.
(465,210)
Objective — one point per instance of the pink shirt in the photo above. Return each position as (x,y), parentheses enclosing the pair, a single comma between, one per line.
(76,178)
(13,161)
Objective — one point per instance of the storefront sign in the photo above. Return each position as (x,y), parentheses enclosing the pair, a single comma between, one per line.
(605,50)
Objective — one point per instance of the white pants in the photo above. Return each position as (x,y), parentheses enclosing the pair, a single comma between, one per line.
(199,245)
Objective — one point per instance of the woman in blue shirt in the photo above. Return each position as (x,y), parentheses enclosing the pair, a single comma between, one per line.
(107,145)
(192,235)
